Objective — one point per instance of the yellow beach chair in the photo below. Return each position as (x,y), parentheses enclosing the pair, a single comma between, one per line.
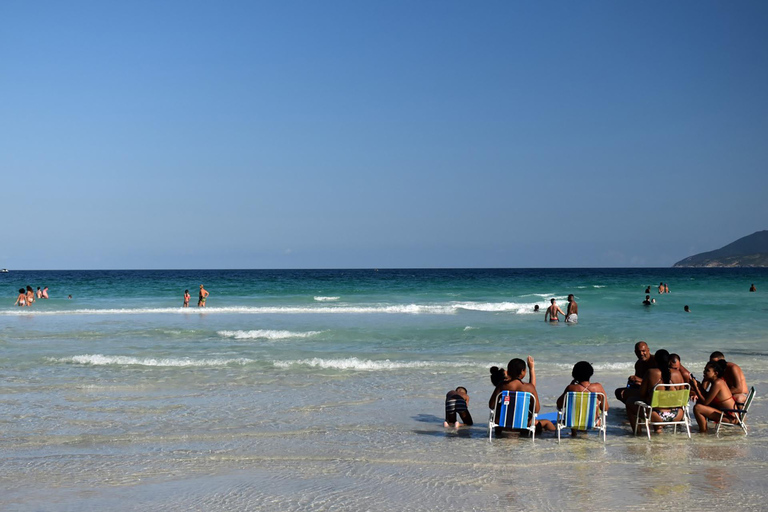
(581,411)
(665,398)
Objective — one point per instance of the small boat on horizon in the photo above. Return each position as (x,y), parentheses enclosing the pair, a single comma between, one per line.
(4,271)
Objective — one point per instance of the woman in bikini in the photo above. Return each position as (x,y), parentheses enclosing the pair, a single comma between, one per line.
(711,403)
(514,382)
(661,375)
(582,372)
(21,300)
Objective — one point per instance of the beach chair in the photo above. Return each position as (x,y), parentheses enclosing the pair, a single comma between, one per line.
(513,409)
(741,414)
(581,411)
(663,398)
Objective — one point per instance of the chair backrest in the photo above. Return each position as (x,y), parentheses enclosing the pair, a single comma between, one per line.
(748,401)
(513,409)
(664,398)
(580,409)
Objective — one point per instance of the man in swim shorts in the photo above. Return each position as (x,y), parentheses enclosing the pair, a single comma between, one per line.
(552,312)
(734,377)
(645,362)
(572,315)
(201,297)
(456,403)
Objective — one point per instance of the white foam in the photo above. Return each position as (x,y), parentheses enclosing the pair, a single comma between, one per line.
(470,328)
(497,307)
(102,360)
(326,299)
(412,309)
(601,366)
(353,363)
(266,334)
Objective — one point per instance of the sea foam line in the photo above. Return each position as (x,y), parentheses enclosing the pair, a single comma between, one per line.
(326,299)
(102,360)
(266,334)
(352,363)
(409,309)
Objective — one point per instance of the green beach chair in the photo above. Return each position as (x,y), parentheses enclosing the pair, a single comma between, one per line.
(664,398)
(740,412)
(581,411)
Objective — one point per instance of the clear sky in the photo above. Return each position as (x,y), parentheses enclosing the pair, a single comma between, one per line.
(344,134)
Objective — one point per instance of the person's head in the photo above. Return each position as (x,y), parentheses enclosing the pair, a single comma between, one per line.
(714,370)
(38,287)
(661,284)
(716,356)
(642,351)
(45,288)
(516,368)
(21,290)
(570,297)
(498,375)
(536,307)
(69,297)
(662,361)
(686,309)
(647,297)
(462,390)
(674,362)
(201,287)
(582,371)
(29,288)
(186,291)
(552,301)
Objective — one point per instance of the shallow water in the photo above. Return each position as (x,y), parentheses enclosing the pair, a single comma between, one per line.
(323,390)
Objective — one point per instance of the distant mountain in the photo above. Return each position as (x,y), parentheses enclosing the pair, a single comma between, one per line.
(750,251)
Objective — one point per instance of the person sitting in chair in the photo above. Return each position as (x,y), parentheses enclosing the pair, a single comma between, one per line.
(514,382)
(582,372)
(719,397)
(661,375)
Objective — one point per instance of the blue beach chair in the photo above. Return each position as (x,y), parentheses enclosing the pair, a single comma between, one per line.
(581,411)
(515,410)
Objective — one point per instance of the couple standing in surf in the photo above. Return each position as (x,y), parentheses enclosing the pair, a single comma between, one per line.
(200,299)
(571,317)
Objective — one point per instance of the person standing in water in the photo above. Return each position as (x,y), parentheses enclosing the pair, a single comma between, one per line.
(186,299)
(21,300)
(201,297)
(552,312)
(752,288)
(45,292)
(572,315)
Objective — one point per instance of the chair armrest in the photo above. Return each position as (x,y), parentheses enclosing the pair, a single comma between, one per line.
(640,403)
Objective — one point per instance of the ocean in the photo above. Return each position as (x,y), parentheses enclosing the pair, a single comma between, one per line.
(324,389)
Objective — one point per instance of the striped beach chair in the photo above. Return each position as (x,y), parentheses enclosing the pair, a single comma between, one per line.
(514,410)
(581,411)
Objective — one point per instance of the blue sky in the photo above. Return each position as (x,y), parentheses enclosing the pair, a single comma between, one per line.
(191,134)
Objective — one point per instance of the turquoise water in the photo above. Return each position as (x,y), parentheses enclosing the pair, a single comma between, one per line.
(120,393)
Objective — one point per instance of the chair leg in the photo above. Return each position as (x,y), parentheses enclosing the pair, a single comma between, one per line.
(717,432)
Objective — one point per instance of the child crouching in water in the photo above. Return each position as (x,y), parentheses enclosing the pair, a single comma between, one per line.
(456,402)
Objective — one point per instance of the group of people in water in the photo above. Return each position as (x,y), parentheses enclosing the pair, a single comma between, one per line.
(27,296)
(722,388)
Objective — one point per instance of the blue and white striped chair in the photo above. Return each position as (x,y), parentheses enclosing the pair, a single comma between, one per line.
(581,411)
(514,410)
